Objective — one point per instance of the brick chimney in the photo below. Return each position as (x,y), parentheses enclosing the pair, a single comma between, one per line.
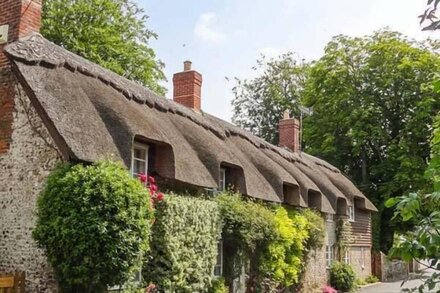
(18,18)
(188,87)
(289,131)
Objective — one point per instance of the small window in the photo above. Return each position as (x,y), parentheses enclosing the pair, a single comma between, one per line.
(218,269)
(329,217)
(351,213)
(222,180)
(329,256)
(139,162)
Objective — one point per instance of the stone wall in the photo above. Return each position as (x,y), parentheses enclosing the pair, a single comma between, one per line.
(23,170)
(316,275)
(389,270)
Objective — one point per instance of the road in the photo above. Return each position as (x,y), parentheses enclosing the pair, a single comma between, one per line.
(393,287)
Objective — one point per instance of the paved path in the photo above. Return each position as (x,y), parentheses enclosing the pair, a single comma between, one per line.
(391,287)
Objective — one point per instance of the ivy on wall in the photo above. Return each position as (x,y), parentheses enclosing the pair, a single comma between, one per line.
(343,237)
(184,244)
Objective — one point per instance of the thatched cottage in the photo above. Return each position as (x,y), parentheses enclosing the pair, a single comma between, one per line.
(55,106)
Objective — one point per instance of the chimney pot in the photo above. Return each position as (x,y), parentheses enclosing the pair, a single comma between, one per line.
(187,65)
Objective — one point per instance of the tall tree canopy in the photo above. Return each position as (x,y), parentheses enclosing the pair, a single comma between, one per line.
(373,107)
(373,112)
(112,33)
(260,102)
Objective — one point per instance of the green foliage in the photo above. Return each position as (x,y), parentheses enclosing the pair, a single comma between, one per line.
(422,242)
(373,111)
(429,15)
(218,286)
(247,224)
(371,279)
(315,228)
(259,103)
(184,245)
(111,33)
(373,107)
(93,223)
(342,277)
(282,261)
(343,237)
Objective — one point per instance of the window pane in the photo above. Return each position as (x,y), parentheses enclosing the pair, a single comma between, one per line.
(138,167)
(140,153)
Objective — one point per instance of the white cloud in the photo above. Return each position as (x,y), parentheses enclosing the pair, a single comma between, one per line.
(206,28)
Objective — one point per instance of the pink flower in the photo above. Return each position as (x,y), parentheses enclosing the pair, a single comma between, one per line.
(143,177)
(151,180)
(153,188)
(159,196)
(328,289)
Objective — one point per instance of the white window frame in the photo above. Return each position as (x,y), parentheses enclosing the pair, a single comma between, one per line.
(351,214)
(145,148)
(329,255)
(329,218)
(347,256)
(222,180)
(219,265)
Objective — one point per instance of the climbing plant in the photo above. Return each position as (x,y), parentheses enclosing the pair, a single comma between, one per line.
(184,244)
(343,237)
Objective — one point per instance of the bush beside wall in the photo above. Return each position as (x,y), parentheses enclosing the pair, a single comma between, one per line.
(93,223)
(183,244)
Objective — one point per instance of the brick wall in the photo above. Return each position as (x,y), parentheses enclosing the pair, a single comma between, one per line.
(188,89)
(289,133)
(24,169)
(23,17)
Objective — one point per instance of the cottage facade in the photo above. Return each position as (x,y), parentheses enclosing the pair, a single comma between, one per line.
(56,106)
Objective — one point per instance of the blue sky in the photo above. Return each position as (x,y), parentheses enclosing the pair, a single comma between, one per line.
(224,38)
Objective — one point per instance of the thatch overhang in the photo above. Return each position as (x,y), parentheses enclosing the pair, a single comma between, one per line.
(95,113)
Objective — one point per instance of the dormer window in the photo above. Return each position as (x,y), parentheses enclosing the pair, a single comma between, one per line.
(351,216)
(222,180)
(139,160)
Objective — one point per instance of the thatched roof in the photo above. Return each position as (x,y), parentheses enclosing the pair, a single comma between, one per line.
(93,113)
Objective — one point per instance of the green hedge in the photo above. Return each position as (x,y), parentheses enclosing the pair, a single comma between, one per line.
(93,223)
(184,244)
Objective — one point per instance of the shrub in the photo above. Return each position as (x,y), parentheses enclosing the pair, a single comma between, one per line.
(246,224)
(315,228)
(248,227)
(371,279)
(93,223)
(282,261)
(184,244)
(218,286)
(342,276)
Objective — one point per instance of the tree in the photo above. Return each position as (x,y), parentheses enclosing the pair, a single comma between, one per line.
(94,225)
(423,241)
(111,33)
(259,103)
(429,16)
(373,109)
